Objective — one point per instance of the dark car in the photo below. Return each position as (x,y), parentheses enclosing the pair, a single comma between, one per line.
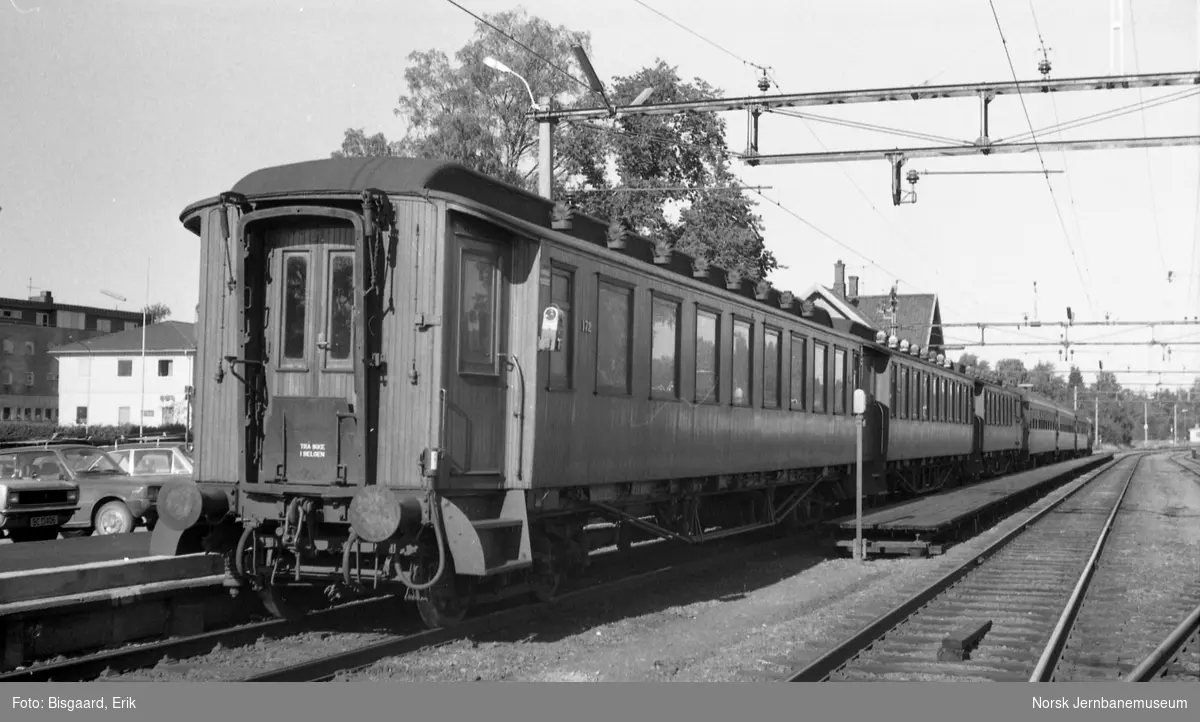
(33,509)
(111,501)
(148,457)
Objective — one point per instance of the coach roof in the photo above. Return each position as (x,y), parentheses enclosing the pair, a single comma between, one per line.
(389,174)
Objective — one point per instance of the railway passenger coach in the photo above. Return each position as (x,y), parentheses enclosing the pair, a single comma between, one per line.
(408,373)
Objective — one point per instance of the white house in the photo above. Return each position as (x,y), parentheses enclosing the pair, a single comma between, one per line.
(103,381)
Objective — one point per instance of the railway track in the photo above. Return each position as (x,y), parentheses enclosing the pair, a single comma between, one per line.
(992,618)
(355,635)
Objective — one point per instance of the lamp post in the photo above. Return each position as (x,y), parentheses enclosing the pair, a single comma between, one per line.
(546,127)
(91,368)
(545,131)
(860,408)
(142,401)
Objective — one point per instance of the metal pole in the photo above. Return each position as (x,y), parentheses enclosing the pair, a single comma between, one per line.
(142,411)
(1145,423)
(1175,427)
(1097,417)
(1077,398)
(546,155)
(858,497)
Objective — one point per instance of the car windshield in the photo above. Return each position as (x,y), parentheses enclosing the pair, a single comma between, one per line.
(91,461)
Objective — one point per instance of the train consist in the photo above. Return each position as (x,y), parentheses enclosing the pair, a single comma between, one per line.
(411,374)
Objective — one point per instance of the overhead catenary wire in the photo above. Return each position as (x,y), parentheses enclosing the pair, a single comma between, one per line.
(528,49)
(870,126)
(1145,134)
(1062,223)
(723,49)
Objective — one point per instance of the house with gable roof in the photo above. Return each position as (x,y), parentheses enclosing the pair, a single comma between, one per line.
(101,381)
(916,318)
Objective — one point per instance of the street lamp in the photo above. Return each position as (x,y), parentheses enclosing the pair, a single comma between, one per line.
(91,369)
(142,401)
(497,65)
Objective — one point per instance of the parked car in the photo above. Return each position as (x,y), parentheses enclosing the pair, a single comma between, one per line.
(111,501)
(164,456)
(33,508)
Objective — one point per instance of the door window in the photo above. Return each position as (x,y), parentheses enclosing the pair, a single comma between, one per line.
(340,332)
(477,314)
(295,307)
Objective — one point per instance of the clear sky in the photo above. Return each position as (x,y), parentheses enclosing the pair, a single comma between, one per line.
(115,115)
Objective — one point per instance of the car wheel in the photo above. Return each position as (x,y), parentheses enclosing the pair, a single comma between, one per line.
(114,518)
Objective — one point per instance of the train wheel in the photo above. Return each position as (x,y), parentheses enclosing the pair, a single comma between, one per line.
(443,606)
(285,601)
(546,576)
(447,602)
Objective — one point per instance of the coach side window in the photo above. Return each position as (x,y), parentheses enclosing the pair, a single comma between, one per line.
(708,330)
(820,363)
(902,402)
(741,362)
(839,381)
(562,294)
(892,399)
(614,321)
(924,396)
(799,378)
(771,369)
(664,348)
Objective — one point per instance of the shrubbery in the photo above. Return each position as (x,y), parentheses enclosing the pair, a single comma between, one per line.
(28,430)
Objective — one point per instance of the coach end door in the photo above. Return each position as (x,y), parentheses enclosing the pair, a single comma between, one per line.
(479,366)
(304,331)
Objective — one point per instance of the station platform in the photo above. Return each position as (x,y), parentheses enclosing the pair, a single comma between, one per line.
(27,556)
(925,526)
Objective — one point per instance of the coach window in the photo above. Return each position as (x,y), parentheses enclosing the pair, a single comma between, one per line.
(295,307)
(820,364)
(839,381)
(562,362)
(664,348)
(708,330)
(614,320)
(771,350)
(477,311)
(855,372)
(742,359)
(892,397)
(937,398)
(341,311)
(799,378)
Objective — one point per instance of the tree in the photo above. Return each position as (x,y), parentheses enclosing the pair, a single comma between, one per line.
(475,115)
(1046,382)
(356,144)
(156,312)
(1075,378)
(970,359)
(1012,370)
(716,222)
(471,113)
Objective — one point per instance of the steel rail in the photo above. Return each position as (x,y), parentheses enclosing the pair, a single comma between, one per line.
(323,669)
(1044,671)
(147,655)
(821,668)
(1153,664)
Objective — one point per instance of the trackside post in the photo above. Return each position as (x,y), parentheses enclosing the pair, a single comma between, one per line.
(860,408)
